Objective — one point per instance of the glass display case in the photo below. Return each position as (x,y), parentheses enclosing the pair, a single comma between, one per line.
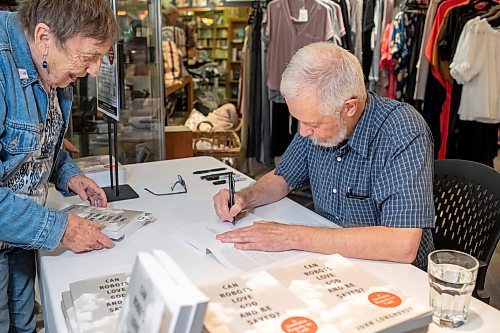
(141,105)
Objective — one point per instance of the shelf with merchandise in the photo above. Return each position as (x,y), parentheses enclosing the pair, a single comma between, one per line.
(236,35)
(217,32)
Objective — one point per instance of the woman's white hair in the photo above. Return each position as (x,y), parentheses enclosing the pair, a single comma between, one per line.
(334,74)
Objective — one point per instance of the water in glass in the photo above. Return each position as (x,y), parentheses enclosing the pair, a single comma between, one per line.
(451,286)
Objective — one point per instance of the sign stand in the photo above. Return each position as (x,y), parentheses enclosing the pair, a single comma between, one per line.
(118,192)
(108,102)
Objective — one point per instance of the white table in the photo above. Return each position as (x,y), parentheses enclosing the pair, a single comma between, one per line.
(61,267)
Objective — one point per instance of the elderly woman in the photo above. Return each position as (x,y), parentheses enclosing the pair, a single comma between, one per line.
(44,47)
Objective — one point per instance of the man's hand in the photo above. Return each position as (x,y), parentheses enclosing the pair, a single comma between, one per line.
(222,210)
(262,236)
(83,235)
(88,190)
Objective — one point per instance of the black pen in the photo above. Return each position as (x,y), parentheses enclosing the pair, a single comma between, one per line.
(230,203)
(200,172)
(209,177)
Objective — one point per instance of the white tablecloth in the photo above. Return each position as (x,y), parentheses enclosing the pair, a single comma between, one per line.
(62,267)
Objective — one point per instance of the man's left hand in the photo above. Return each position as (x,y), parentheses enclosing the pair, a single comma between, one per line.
(87,189)
(262,236)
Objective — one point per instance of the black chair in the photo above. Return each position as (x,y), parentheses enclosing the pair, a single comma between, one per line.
(467,201)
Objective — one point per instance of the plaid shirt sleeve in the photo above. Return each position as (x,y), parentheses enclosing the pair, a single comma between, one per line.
(404,187)
(293,166)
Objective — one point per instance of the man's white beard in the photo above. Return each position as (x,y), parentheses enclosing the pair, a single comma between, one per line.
(336,140)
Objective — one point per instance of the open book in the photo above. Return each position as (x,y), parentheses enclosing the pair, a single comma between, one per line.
(324,293)
(161,298)
(118,222)
(201,235)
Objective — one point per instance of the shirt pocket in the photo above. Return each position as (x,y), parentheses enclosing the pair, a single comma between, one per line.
(361,211)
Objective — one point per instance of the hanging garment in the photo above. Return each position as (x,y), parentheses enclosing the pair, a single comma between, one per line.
(476,65)
(287,35)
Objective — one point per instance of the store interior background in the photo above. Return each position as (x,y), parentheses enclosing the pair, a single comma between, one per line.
(150,127)
(152,114)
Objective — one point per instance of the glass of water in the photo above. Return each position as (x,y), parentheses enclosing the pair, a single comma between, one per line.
(452,276)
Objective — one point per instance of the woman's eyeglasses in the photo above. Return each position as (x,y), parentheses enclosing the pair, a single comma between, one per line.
(179,182)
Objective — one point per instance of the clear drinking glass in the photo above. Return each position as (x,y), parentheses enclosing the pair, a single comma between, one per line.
(452,276)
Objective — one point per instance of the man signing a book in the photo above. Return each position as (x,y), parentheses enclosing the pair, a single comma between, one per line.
(368,159)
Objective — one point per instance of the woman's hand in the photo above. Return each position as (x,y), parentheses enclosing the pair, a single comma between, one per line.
(88,190)
(82,235)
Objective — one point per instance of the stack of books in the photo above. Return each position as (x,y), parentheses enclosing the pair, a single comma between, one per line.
(161,298)
(93,305)
(156,297)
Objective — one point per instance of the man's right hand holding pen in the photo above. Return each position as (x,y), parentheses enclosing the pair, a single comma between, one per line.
(228,204)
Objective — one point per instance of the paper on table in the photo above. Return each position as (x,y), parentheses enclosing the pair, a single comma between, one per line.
(202,234)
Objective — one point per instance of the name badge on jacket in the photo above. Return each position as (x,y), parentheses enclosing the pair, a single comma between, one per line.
(23,74)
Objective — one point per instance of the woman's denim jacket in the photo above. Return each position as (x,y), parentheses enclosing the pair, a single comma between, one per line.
(23,112)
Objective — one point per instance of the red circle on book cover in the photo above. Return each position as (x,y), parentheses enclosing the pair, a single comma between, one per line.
(384,299)
(299,325)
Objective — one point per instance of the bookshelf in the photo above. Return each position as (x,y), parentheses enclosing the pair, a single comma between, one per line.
(219,32)
(236,37)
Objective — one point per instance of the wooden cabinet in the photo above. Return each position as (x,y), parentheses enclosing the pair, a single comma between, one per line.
(178,142)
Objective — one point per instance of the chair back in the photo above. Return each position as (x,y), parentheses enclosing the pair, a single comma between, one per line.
(467,202)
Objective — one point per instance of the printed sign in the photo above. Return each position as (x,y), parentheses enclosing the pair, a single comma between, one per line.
(107,86)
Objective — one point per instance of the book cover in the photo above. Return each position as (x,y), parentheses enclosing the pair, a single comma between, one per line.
(154,302)
(318,294)
(97,168)
(118,222)
(98,301)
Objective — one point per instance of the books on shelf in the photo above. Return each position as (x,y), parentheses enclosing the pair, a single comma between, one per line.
(161,298)
(97,168)
(118,222)
(326,293)
(93,305)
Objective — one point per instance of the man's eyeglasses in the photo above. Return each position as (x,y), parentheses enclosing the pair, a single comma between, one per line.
(179,182)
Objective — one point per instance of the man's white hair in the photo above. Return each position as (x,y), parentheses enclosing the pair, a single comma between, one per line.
(331,72)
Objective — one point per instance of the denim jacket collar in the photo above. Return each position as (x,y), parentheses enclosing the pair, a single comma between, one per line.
(22,52)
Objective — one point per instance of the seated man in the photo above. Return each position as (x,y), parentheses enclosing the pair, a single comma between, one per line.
(369,161)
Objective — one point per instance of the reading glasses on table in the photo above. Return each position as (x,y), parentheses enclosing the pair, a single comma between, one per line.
(179,182)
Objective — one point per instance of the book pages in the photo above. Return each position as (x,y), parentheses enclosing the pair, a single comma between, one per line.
(201,235)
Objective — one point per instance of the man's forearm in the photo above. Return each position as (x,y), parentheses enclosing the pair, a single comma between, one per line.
(270,188)
(376,243)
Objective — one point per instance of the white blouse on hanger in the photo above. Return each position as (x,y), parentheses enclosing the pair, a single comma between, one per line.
(476,65)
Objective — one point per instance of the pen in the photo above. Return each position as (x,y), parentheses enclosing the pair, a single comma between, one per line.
(236,177)
(230,181)
(215,174)
(200,172)
(223,181)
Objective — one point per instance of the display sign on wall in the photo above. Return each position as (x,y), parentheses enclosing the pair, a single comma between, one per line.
(107,85)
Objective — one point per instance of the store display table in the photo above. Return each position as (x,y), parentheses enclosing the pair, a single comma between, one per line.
(61,267)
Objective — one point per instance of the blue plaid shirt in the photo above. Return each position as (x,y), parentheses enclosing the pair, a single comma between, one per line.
(382,176)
